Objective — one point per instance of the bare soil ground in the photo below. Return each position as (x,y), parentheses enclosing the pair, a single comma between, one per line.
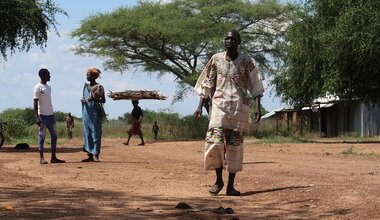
(279,181)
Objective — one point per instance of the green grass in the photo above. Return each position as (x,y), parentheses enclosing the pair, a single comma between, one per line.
(351,152)
(273,139)
(21,129)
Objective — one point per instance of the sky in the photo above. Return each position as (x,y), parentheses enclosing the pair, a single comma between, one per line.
(19,73)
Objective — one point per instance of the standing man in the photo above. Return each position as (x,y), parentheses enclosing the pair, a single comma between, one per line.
(229,79)
(137,116)
(45,118)
(155,130)
(70,125)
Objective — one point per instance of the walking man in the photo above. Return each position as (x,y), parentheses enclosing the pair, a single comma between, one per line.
(137,116)
(228,80)
(155,130)
(70,125)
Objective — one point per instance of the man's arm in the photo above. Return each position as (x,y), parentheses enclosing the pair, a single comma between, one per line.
(35,105)
(257,109)
(141,115)
(198,111)
(202,102)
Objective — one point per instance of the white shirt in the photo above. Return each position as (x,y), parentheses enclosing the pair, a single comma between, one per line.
(231,82)
(42,92)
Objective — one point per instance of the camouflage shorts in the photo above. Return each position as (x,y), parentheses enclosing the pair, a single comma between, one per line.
(223,135)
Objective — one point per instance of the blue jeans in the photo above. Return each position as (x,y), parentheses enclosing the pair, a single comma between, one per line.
(47,121)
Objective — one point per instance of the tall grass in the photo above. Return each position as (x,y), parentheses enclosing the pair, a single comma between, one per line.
(279,132)
(22,128)
(351,152)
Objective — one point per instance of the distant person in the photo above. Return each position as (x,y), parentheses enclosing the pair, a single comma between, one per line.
(227,79)
(70,125)
(92,115)
(137,116)
(155,129)
(45,118)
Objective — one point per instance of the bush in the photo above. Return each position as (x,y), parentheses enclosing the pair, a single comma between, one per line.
(21,125)
(172,126)
(27,115)
(18,121)
(16,128)
(194,128)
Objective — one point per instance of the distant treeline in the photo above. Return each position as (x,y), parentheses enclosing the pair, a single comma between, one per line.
(21,125)
(22,128)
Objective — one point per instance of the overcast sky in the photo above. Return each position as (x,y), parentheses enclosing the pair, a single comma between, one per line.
(68,71)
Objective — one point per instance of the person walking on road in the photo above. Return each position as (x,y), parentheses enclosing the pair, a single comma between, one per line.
(228,81)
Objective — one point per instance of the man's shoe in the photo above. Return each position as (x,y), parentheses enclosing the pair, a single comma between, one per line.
(96,158)
(43,161)
(232,192)
(56,160)
(215,189)
(90,159)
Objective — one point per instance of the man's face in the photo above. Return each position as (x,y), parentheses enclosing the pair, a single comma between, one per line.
(231,41)
(46,77)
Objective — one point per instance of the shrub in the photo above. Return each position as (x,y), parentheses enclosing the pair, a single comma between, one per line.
(27,115)
(16,128)
(18,122)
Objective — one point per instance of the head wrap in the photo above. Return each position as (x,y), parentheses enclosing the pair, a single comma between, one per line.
(93,71)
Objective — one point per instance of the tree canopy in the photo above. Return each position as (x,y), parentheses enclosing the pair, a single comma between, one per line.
(25,23)
(180,36)
(333,49)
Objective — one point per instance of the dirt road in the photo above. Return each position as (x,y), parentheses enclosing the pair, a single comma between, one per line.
(279,181)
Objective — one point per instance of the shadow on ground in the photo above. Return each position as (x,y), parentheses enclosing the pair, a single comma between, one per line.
(11,149)
(87,203)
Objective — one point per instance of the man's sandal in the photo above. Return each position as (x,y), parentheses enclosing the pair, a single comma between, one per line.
(233,192)
(215,189)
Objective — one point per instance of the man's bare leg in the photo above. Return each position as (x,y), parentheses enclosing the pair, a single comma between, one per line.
(42,159)
(142,140)
(54,158)
(129,138)
(215,189)
(231,191)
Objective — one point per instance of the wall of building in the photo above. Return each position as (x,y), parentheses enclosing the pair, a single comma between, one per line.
(336,120)
(370,120)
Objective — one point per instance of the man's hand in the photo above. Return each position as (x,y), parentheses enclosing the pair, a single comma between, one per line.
(257,116)
(198,113)
(38,121)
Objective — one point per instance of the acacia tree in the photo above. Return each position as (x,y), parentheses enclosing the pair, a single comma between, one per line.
(25,23)
(180,36)
(333,49)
